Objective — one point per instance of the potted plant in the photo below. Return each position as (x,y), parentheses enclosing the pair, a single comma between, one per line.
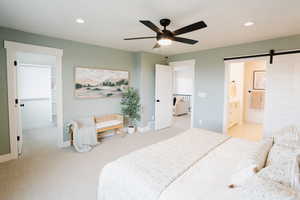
(131,108)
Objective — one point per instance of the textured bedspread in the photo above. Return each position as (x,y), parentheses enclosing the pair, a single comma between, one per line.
(146,173)
(208,178)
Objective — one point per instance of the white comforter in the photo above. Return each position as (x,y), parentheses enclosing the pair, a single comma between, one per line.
(208,179)
(147,173)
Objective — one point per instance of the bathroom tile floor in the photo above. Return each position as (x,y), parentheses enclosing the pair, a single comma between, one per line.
(248,131)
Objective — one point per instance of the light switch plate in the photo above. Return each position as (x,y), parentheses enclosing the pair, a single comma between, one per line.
(202,95)
(200,122)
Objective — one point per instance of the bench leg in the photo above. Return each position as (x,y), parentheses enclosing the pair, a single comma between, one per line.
(72,140)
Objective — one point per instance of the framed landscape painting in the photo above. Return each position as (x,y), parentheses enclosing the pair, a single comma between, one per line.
(99,83)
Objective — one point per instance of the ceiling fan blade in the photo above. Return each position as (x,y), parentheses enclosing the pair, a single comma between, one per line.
(156,46)
(190,28)
(150,25)
(184,40)
(139,38)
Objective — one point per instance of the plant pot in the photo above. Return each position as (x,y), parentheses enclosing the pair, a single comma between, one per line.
(130,129)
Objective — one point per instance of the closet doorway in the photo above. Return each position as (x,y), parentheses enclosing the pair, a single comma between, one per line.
(35,98)
(174,95)
(36,88)
(183,93)
(245,90)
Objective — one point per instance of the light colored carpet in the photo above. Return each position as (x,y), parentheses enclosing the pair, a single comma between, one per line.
(45,172)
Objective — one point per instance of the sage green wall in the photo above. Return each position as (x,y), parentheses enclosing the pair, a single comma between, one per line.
(4,128)
(136,72)
(210,75)
(75,54)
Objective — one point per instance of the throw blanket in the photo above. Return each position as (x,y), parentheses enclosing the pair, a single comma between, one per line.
(146,173)
(84,134)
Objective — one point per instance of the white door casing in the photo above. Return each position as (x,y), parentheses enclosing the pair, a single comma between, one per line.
(19,106)
(163,96)
(15,127)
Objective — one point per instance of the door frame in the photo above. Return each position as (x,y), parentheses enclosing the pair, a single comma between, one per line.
(227,64)
(192,63)
(11,54)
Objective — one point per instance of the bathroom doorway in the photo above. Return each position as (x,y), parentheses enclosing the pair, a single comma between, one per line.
(245,91)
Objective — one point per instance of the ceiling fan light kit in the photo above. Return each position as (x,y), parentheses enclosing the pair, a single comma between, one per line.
(165,37)
(164,42)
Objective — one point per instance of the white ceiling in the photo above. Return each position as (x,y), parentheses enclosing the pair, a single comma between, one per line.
(109,21)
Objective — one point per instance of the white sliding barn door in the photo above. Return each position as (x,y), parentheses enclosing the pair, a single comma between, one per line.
(163,96)
(283,93)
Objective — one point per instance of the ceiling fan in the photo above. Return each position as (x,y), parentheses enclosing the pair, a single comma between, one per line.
(165,37)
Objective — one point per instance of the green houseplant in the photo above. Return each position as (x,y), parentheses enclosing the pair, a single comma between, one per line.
(131,107)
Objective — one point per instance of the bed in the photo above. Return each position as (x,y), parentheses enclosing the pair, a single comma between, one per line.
(194,165)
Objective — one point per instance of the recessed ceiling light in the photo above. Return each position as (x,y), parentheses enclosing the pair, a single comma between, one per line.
(79,21)
(249,24)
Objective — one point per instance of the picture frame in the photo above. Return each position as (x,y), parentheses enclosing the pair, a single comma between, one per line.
(259,80)
(96,82)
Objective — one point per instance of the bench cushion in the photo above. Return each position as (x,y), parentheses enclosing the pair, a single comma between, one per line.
(108,124)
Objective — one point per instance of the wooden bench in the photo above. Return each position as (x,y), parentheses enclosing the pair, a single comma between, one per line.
(108,122)
(105,123)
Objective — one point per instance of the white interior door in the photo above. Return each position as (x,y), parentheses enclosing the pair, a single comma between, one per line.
(163,96)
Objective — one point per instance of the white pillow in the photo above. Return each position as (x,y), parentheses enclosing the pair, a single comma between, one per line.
(258,188)
(283,166)
(254,161)
(280,155)
(288,136)
(282,174)
(295,175)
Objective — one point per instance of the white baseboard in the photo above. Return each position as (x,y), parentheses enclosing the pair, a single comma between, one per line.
(145,128)
(6,157)
(65,144)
